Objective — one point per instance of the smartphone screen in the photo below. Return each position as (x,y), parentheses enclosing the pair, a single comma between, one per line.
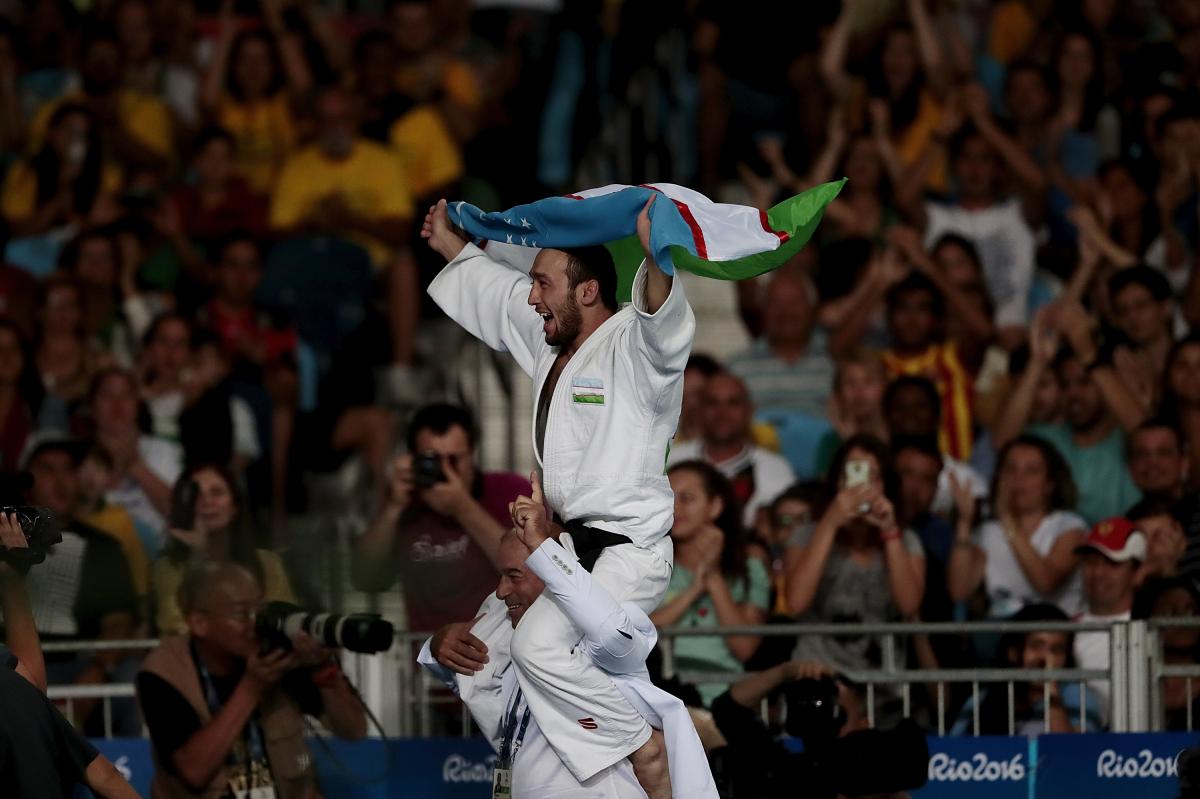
(858,472)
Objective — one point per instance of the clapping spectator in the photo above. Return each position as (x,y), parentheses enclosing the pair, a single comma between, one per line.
(857,564)
(1099,408)
(223,533)
(1026,554)
(717,579)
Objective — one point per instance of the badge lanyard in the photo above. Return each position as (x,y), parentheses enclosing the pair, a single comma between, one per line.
(513,738)
(255,750)
(510,743)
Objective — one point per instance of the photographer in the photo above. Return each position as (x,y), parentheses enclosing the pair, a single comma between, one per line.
(441,524)
(827,713)
(226,717)
(41,747)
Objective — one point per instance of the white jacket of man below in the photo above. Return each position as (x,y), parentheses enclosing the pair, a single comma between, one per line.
(616,405)
(617,638)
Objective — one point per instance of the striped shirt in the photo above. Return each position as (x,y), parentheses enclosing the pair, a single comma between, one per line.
(940,363)
(802,385)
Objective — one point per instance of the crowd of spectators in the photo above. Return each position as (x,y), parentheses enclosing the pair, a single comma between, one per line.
(211,273)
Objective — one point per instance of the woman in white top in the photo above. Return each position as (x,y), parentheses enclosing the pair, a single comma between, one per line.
(1026,554)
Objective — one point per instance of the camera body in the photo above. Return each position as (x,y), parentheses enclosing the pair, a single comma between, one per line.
(41,531)
(427,469)
(814,714)
(368,633)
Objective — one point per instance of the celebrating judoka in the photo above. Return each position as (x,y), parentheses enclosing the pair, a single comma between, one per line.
(609,383)
(473,658)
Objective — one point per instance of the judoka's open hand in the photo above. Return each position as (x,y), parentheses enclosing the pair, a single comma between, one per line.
(529,516)
(454,647)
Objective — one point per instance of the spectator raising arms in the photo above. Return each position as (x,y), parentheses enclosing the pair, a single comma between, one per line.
(717,579)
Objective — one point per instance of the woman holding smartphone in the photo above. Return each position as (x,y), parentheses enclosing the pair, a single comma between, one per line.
(1025,555)
(856,564)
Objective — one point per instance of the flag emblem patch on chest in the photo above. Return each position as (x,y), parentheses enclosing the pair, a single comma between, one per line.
(587,391)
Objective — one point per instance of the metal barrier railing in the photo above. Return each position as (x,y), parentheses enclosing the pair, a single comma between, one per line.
(409,702)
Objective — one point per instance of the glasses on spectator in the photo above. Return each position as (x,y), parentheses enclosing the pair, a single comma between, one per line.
(244,613)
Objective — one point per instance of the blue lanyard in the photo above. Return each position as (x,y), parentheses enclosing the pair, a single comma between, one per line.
(255,750)
(508,743)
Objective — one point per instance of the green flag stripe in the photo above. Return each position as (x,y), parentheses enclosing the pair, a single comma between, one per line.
(797,216)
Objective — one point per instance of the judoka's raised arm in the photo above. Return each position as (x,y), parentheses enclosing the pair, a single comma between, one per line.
(657,287)
(618,637)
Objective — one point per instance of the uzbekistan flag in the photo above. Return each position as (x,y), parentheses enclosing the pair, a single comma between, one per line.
(690,232)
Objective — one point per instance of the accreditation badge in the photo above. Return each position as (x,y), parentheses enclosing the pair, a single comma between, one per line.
(501,783)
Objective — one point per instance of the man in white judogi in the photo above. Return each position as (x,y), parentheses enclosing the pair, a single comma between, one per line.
(473,658)
(609,385)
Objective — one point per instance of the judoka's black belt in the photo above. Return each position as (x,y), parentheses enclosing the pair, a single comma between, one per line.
(591,541)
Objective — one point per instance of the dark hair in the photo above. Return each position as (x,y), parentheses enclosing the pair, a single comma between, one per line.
(1149,506)
(807,491)
(1169,407)
(29,382)
(1093,94)
(926,445)
(1162,423)
(729,521)
(704,364)
(68,257)
(878,450)
(439,417)
(1027,65)
(371,38)
(242,548)
(1153,588)
(1147,277)
(235,51)
(903,108)
(885,190)
(913,283)
(239,236)
(52,282)
(993,708)
(47,165)
(162,319)
(1063,493)
(593,263)
(964,244)
(1018,360)
(210,134)
(922,384)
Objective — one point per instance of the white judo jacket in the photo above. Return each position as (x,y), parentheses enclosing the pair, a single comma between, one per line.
(616,406)
(618,637)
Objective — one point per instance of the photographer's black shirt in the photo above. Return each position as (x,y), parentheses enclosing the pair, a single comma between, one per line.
(41,754)
(172,720)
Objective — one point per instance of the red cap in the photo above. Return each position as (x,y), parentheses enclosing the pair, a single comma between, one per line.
(1118,539)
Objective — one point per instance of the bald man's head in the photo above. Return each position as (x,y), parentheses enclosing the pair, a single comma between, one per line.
(219,602)
(519,587)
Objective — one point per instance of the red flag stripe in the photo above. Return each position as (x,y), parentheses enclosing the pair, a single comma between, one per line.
(782,234)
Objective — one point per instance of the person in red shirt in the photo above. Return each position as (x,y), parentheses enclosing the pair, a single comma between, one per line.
(220,202)
(438,534)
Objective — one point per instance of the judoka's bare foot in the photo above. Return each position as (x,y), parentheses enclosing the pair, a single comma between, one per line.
(650,766)
(445,239)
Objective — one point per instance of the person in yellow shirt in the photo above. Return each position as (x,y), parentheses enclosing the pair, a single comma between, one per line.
(345,186)
(427,74)
(251,85)
(221,533)
(429,154)
(66,182)
(135,128)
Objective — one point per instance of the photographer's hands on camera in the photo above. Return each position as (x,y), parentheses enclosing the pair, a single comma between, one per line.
(15,555)
(446,497)
(866,502)
(265,669)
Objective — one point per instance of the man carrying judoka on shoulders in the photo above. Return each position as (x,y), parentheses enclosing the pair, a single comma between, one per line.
(473,658)
(609,383)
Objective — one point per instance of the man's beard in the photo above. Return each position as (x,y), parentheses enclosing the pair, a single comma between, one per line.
(568,321)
